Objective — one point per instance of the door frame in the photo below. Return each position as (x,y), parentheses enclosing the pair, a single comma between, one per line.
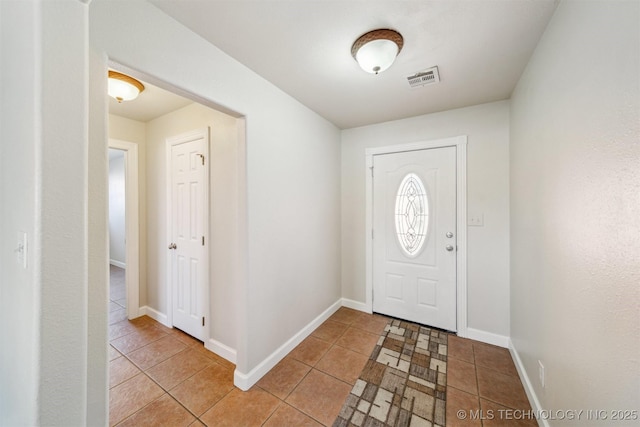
(460,144)
(170,142)
(132,224)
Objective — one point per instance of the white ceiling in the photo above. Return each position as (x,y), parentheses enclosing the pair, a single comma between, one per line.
(304,47)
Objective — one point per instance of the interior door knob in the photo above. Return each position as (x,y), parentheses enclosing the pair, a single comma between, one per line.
(173,246)
(449,248)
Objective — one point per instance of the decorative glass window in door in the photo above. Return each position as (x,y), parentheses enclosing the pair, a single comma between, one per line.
(412,214)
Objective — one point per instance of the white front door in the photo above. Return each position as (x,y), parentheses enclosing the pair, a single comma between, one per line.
(188,272)
(414,236)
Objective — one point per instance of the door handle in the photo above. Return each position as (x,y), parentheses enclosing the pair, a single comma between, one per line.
(449,248)
(173,246)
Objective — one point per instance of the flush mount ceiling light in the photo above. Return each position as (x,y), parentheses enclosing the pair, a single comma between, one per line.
(122,87)
(376,50)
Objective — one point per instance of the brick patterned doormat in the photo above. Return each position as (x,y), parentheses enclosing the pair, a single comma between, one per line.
(403,382)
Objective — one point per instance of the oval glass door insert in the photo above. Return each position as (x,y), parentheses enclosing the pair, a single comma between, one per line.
(412,214)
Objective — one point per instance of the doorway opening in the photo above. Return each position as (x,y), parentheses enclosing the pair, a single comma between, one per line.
(117,240)
(124,259)
(161,112)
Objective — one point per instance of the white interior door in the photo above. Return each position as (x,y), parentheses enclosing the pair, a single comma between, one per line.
(414,236)
(188,273)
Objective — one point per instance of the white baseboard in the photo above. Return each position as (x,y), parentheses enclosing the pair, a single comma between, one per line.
(474,334)
(528,387)
(488,337)
(155,314)
(356,305)
(117,263)
(217,347)
(245,381)
(221,350)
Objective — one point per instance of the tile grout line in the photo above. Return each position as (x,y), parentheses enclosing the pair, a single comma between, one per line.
(482,421)
(312,368)
(167,392)
(282,401)
(187,347)
(475,369)
(349,325)
(318,370)
(275,409)
(156,383)
(489,369)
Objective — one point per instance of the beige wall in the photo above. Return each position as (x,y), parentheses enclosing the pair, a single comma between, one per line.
(291,254)
(575,209)
(19,287)
(128,130)
(54,344)
(223,213)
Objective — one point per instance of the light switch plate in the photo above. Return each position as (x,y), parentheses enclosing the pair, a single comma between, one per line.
(541,373)
(475,220)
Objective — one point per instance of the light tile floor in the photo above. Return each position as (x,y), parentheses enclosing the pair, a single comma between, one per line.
(483,383)
(162,377)
(117,295)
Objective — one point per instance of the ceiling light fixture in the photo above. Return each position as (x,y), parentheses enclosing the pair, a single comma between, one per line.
(376,50)
(122,87)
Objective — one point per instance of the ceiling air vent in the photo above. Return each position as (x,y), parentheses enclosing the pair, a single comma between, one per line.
(423,78)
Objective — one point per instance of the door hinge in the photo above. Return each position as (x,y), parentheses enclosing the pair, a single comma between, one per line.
(371,167)
(203,321)
(201,158)
(202,240)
